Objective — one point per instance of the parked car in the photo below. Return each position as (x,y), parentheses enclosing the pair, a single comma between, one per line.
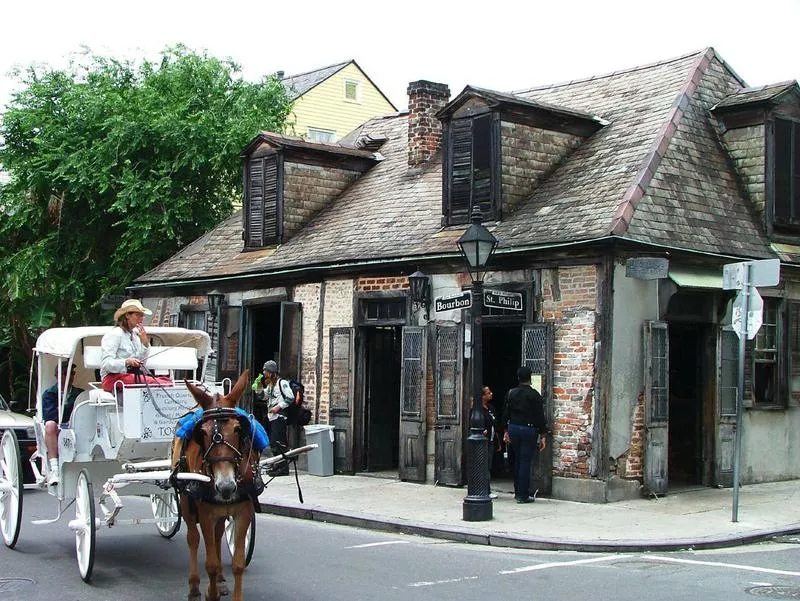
(23,427)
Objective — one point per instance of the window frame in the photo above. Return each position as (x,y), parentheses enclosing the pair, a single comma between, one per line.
(311,135)
(766,355)
(357,98)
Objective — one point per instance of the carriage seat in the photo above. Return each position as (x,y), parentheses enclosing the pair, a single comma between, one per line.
(158,357)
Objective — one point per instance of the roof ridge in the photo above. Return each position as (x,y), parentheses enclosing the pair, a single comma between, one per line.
(347,62)
(623,215)
(613,73)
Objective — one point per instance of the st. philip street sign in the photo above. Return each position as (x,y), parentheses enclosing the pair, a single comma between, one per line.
(455,301)
(498,299)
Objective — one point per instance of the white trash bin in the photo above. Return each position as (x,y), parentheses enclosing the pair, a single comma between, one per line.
(320,460)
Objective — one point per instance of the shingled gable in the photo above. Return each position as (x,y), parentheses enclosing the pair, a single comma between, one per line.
(656,175)
(288,180)
(498,147)
(759,127)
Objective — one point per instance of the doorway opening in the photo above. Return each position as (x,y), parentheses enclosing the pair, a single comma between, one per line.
(380,416)
(502,355)
(685,455)
(266,327)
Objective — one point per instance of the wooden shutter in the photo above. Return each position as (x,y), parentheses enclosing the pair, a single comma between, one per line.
(793,354)
(448,438)
(341,397)
(412,459)
(461,170)
(291,333)
(261,210)
(538,343)
(783,171)
(656,406)
(482,152)
(230,326)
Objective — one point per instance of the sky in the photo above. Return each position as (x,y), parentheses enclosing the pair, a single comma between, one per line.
(501,45)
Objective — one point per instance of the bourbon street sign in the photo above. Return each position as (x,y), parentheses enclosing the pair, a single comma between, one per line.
(499,299)
(456,301)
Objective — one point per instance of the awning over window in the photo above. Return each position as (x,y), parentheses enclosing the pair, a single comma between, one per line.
(695,277)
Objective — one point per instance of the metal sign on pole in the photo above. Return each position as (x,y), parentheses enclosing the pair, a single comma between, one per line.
(746,321)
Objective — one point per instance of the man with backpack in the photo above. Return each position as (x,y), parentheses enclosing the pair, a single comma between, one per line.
(276,393)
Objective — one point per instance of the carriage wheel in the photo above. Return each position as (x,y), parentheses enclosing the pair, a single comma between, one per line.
(84,525)
(10,488)
(167,513)
(249,539)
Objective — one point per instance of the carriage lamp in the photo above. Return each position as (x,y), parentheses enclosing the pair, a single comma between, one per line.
(477,245)
(420,292)
(215,298)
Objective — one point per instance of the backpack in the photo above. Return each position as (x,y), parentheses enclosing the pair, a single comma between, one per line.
(296,413)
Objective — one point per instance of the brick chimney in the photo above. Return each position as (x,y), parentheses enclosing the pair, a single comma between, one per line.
(425,99)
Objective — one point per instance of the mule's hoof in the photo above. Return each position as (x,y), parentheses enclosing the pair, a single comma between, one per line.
(222,589)
(193,596)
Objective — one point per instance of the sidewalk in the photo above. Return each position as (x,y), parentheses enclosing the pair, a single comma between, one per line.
(699,518)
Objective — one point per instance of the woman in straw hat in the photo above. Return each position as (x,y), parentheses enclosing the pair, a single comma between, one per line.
(124,348)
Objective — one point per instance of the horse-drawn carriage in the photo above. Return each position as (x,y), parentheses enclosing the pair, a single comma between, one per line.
(119,442)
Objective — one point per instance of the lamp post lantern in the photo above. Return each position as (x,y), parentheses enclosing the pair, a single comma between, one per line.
(477,245)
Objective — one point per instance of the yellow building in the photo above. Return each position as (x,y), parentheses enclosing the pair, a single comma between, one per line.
(330,102)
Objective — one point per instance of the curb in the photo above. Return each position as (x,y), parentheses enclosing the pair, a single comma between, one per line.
(516,541)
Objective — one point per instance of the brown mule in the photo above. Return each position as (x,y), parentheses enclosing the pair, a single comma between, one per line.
(221,448)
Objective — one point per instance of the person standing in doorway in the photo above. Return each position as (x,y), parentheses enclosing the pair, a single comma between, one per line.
(277,394)
(525,421)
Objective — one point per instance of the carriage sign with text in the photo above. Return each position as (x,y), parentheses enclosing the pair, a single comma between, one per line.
(117,444)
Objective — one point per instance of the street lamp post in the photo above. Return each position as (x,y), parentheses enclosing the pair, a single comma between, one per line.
(477,245)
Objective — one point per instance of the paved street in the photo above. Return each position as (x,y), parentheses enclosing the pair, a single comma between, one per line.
(306,560)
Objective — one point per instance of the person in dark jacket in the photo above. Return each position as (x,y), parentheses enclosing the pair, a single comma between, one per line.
(524,418)
(50,417)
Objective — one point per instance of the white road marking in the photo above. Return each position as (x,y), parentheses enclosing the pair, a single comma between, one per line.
(560,564)
(448,581)
(720,564)
(387,542)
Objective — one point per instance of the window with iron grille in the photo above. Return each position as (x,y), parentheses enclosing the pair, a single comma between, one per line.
(786,192)
(471,173)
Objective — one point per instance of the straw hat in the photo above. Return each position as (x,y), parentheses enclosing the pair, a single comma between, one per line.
(131,305)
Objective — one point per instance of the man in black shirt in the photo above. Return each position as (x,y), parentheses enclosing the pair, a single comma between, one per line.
(524,419)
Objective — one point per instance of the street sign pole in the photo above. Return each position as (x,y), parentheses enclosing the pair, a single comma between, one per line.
(737,456)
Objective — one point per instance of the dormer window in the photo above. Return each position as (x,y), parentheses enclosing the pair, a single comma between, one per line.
(786,192)
(471,169)
(262,202)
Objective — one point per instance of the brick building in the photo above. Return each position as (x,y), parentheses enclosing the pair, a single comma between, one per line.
(616,200)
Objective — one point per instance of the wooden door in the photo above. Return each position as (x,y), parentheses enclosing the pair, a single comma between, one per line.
(725,414)
(412,456)
(448,437)
(656,407)
(341,397)
(537,354)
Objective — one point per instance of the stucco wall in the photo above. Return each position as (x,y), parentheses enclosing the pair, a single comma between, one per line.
(770,445)
(635,301)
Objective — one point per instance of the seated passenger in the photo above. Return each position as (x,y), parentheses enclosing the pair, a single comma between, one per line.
(124,349)
(52,425)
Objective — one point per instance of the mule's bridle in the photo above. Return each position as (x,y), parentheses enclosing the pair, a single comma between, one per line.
(216,415)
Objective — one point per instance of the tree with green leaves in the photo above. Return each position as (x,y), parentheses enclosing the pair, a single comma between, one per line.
(110,168)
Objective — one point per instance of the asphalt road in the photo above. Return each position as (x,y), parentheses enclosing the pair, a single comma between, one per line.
(300,560)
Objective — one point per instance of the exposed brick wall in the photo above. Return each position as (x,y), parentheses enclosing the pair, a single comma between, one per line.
(635,461)
(529,154)
(309,296)
(746,147)
(371,284)
(307,189)
(337,312)
(569,300)
(425,98)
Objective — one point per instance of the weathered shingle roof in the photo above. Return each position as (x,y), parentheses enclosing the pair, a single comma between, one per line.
(656,175)
(757,95)
(297,85)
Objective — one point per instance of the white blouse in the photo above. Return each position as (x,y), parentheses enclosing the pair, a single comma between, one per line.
(116,346)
